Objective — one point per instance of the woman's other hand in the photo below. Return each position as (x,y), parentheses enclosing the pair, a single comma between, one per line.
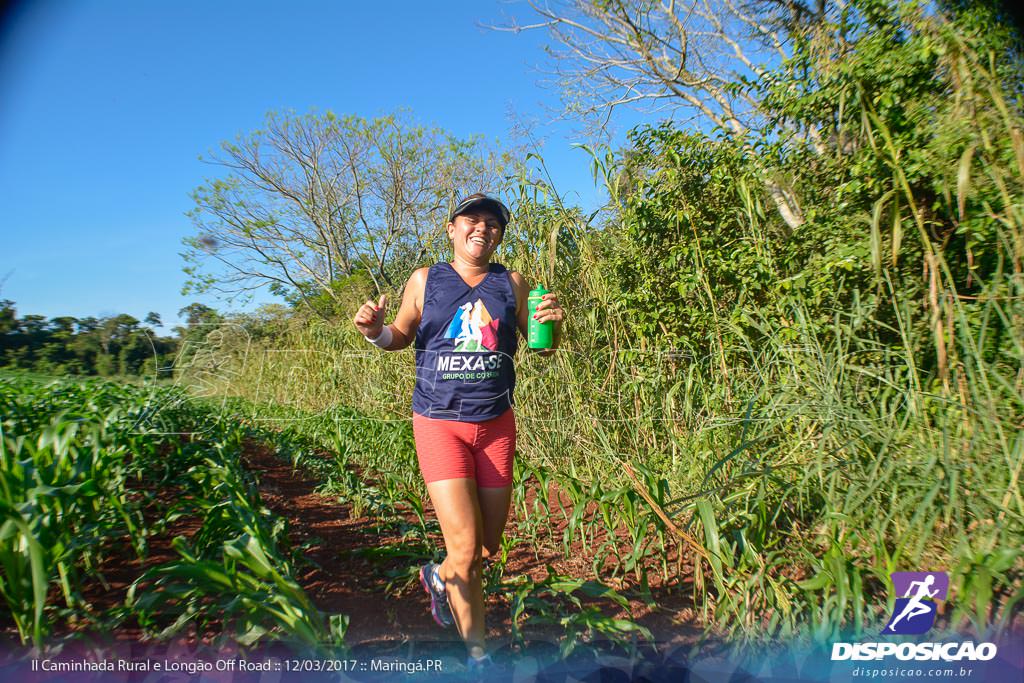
(369,318)
(550,310)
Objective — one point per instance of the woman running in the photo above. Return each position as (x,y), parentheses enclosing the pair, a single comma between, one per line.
(463,316)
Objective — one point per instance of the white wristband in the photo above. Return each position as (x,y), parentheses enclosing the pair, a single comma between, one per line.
(383,340)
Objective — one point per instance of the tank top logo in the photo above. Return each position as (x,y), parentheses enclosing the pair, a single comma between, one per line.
(473,328)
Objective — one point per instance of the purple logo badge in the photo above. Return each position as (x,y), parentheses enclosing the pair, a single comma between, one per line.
(916,593)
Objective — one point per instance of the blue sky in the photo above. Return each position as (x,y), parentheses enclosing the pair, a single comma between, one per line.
(106,106)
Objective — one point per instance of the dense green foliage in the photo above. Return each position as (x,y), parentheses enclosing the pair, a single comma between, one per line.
(114,345)
(902,183)
(79,463)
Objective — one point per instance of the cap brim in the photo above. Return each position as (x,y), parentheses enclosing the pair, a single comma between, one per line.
(487,204)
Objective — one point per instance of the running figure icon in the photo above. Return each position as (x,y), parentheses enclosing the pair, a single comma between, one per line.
(915,606)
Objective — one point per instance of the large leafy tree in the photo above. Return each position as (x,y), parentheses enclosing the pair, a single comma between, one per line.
(311,200)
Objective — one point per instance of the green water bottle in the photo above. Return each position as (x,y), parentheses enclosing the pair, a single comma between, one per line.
(541,335)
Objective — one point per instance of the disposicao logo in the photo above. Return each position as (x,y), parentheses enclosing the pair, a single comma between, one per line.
(914,614)
(915,610)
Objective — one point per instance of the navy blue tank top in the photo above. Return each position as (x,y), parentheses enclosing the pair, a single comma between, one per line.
(465,344)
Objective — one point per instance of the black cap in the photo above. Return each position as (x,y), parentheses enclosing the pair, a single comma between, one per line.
(482,201)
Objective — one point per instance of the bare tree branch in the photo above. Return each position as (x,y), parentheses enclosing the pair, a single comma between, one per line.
(312,199)
(705,57)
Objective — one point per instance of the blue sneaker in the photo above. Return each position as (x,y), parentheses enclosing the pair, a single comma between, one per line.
(477,667)
(432,583)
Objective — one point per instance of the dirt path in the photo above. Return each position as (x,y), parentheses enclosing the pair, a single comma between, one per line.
(344,583)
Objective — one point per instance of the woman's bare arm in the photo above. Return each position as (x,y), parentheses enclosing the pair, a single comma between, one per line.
(403,328)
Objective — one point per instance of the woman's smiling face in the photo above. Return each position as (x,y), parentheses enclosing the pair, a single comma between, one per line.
(476,234)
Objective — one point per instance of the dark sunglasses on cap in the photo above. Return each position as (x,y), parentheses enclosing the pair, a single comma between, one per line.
(486,203)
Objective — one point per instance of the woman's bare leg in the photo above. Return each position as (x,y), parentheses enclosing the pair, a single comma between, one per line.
(458,510)
(494,507)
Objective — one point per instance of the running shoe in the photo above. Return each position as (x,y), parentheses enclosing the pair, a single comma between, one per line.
(432,583)
(477,667)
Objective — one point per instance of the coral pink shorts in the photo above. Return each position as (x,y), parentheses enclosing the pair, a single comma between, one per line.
(449,449)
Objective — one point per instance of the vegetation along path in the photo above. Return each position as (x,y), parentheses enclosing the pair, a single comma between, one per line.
(362,567)
(138,515)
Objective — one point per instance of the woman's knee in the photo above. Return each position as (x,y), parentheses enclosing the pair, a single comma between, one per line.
(465,559)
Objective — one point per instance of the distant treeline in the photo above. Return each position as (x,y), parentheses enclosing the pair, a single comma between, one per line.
(104,346)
